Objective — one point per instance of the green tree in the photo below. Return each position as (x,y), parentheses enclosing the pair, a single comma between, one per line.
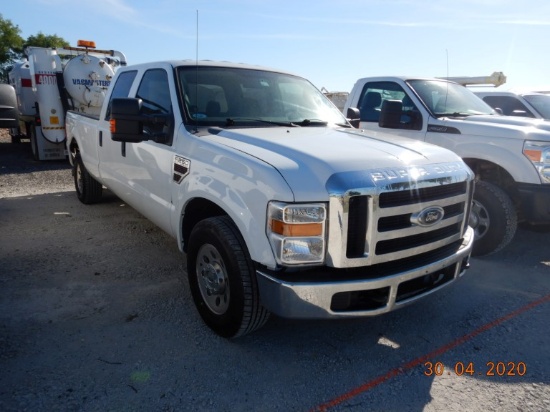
(11,46)
(42,40)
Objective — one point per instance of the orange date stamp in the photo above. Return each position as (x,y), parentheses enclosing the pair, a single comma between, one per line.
(490,368)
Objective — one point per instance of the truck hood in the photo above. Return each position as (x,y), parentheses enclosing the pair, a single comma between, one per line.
(307,157)
(503,126)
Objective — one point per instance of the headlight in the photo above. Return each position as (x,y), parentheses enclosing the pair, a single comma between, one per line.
(539,154)
(297,232)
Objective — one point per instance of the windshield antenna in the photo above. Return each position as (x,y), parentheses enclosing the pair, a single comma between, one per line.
(447,85)
(197,76)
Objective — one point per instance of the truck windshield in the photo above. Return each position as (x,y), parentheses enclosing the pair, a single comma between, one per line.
(446,99)
(541,103)
(235,97)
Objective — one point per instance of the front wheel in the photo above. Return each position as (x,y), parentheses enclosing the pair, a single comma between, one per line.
(222,279)
(88,190)
(493,218)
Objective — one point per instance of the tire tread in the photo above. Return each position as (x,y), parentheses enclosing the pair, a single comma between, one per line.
(254,314)
(509,215)
(92,190)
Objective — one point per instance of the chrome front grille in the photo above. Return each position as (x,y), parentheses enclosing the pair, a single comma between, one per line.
(377,221)
(425,194)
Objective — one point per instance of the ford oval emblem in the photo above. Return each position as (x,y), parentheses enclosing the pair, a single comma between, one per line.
(428,217)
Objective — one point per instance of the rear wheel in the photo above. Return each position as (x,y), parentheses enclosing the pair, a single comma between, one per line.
(87,188)
(15,135)
(493,218)
(31,132)
(222,279)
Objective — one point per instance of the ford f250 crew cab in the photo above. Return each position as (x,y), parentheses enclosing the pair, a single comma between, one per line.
(510,156)
(280,206)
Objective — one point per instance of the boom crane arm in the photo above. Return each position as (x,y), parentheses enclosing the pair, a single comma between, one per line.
(496,79)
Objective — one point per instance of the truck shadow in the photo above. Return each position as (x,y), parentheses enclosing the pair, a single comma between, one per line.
(17,158)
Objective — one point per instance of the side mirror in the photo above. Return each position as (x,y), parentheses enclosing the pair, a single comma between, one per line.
(390,114)
(129,123)
(126,125)
(9,114)
(354,116)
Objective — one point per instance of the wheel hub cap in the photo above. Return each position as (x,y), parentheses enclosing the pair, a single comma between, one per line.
(212,279)
(79,178)
(479,219)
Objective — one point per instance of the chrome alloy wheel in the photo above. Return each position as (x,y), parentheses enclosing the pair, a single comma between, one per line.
(212,279)
(479,219)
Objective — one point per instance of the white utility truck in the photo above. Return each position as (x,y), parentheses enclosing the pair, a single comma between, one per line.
(54,80)
(279,204)
(509,155)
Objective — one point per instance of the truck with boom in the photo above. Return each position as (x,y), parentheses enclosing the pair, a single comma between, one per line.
(280,206)
(54,80)
(509,155)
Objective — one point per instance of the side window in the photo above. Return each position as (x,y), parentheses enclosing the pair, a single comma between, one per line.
(509,105)
(373,96)
(154,93)
(121,88)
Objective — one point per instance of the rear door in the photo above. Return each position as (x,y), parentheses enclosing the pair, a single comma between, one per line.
(109,152)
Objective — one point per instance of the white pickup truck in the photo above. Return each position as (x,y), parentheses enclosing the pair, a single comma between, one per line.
(523,104)
(509,155)
(280,206)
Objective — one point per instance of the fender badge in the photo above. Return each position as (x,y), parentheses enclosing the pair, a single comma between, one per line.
(181,168)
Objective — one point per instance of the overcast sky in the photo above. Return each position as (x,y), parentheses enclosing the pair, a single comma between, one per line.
(332,43)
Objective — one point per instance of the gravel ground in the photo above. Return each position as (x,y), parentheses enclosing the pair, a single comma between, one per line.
(96,315)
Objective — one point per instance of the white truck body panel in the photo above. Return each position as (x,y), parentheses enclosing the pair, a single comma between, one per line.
(20,79)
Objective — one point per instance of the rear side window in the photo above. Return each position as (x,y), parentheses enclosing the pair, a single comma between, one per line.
(121,88)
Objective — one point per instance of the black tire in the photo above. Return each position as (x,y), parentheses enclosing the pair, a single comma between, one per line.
(31,132)
(222,279)
(15,135)
(493,218)
(88,190)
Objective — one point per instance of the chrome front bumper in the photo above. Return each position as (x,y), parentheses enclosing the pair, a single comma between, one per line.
(338,299)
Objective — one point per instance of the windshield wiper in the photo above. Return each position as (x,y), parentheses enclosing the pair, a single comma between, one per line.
(455,114)
(312,122)
(343,125)
(231,122)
